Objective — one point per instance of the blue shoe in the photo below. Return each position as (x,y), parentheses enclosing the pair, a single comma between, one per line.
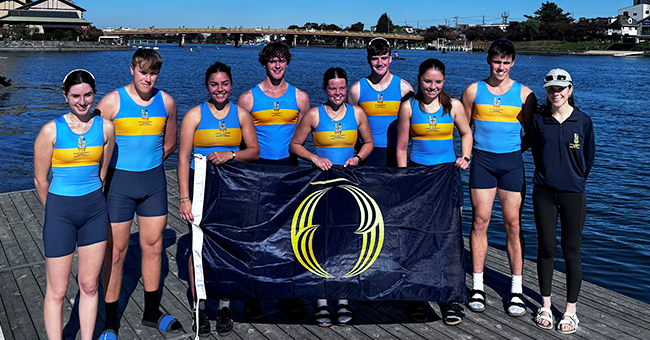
(166,323)
(108,334)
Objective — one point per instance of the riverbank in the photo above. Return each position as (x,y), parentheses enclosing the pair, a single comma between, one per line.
(59,46)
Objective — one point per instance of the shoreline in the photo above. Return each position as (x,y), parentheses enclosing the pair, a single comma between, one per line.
(59,46)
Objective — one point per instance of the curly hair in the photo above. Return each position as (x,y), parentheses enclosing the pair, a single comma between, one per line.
(272,50)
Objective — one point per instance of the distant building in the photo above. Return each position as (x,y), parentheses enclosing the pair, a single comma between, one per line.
(640,10)
(623,25)
(44,16)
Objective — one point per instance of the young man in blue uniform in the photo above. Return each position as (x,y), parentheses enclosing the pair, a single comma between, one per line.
(498,108)
(380,95)
(276,107)
(145,128)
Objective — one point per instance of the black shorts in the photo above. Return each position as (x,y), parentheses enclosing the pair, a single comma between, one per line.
(496,170)
(128,192)
(74,221)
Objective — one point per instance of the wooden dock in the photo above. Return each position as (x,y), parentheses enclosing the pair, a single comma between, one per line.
(603,314)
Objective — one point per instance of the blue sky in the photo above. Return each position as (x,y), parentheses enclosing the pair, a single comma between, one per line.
(282,13)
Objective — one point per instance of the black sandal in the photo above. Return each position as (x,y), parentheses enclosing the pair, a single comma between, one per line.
(453,314)
(512,303)
(347,313)
(322,316)
(416,311)
(480,299)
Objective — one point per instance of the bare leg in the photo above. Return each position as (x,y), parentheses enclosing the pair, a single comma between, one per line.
(482,201)
(58,274)
(116,248)
(151,229)
(510,205)
(91,258)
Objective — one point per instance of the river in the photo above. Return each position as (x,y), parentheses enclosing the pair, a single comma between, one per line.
(613,91)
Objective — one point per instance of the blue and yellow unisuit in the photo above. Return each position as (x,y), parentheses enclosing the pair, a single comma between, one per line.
(275,121)
(432,135)
(214,134)
(497,119)
(335,139)
(382,108)
(76,158)
(139,133)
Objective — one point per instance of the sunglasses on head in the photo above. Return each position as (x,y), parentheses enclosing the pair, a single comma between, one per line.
(558,77)
(504,41)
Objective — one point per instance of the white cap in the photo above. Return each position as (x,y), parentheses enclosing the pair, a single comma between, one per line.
(558,77)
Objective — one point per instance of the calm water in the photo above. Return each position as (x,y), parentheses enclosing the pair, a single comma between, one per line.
(613,91)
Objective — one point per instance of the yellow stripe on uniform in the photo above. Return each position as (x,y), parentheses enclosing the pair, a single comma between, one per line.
(273,117)
(508,114)
(139,126)
(216,137)
(387,108)
(424,131)
(77,157)
(330,139)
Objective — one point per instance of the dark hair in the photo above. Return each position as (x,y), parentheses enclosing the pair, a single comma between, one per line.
(377,46)
(502,47)
(334,72)
(272,50)
(443,97)
(78,77)
(216,68)
(146,59)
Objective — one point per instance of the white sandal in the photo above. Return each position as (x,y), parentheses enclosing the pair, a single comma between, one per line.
(548,318)
(568,319)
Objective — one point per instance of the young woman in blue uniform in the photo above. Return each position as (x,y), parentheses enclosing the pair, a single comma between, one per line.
(563,151)
(335,126)
(214,129)
(77,147)
(429,119)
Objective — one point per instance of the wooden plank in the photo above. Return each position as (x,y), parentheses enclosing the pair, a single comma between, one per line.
(4,321)
(33,297)
(28,246)
(9,209)
(11,248)
(35,229)
(34,204)
(21,206)
(20,324)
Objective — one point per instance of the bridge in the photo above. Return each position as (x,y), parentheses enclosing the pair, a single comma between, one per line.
(342,36)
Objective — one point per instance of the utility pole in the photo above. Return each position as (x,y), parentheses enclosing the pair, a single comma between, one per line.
(484,20)
(456,18)
(504,18)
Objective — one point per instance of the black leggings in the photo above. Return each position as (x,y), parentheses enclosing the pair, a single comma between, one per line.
(572,208)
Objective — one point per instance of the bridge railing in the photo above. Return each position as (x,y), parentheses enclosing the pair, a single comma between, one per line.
(260,30)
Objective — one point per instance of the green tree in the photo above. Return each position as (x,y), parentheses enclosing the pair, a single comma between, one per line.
(430,34)
(358,27)
(551,13)
(384,24)
(530,29)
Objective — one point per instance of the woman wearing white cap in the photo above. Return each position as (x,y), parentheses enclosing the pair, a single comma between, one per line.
(563,149)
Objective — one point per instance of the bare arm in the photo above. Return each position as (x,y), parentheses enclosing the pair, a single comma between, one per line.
(109,105)
(366,136)
(405,88)
(246,101)
(190,122)
(353,94)
(467,99)
(171,128)
(403,131)
(307,124)
(109,144)
(465,132)
(43,150)
(252,151)
(303,103)
(529,109)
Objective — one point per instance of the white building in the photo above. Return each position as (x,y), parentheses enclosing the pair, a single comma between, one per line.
(638,12)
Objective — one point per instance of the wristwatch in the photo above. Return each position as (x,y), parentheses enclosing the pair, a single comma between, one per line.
(466,158)
(359,157)
(233,155)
